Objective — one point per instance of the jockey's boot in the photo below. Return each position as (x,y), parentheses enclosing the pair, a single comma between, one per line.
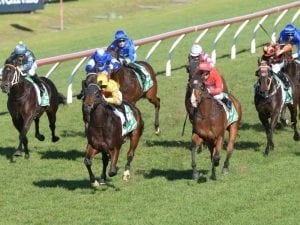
(227,102)
(38,81)
(81,93)
(122,108)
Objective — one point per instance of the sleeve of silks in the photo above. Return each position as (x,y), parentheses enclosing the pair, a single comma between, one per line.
(116,98)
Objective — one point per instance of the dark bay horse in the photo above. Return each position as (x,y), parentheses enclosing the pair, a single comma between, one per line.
(269,101)
(23,105)
(132,90)
(104,134)
(209,121)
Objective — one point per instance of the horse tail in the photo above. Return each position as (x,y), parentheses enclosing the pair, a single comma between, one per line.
(61,99)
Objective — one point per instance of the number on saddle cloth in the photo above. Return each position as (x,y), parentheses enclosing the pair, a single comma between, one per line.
(42,100)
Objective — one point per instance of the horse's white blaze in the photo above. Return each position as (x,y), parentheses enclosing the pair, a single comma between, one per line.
(193,100)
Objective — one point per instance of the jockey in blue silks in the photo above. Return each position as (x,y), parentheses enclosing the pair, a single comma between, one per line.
(26,62)
(125,49)
(102,61)
(291,35)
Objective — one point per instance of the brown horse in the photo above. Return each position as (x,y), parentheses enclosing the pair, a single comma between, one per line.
(209,121)
(23,105)
(132,90)
(269,101)
(104,134)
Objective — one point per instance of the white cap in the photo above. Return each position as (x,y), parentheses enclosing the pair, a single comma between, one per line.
(196,50)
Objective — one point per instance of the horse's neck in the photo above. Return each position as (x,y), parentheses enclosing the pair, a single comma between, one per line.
(20,89)
(208,105)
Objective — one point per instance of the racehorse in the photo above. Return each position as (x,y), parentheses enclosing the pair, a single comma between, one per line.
(192,70)
(269,101)
(209,121)
(104,134)
(132,90)
(22,104)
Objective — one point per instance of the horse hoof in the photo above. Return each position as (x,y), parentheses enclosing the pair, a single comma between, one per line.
(55,139)
(196,176)
(40,137)
(26,156)
(102,181)
(157,132)
(296,137)
(95,184)
(18,153)
(112,172)
(225,171)
(126,175)
(213,177)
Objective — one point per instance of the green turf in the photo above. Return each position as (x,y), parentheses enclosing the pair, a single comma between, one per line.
(52,187)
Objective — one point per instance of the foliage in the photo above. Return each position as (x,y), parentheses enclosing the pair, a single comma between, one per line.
(53,187)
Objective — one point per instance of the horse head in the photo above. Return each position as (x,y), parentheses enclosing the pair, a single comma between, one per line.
(10,76)
(198,90)
(192,67)
(265,77)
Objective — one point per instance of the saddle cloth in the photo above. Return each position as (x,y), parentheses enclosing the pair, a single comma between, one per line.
(44,100)
(130,124)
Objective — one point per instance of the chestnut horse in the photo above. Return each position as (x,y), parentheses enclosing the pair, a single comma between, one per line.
(22,104)
(269,102)
(209,121)
(104,134)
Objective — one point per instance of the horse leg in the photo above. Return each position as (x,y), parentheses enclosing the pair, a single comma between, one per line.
(215,156)
(269,129)
(105,160)
(233,132)
(88,160)
(195,144)
(152,98)
(18,123)
(38,135)
(293,112)
(52,120)
(114,159)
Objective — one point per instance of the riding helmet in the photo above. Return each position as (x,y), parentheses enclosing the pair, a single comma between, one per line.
(20,49)
(102,79)
(120,34)
(290,29)
(196,50)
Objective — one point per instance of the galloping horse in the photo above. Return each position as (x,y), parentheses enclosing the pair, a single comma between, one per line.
(22,104)
(104,134)
(209,121)
(269,101)
(132,90)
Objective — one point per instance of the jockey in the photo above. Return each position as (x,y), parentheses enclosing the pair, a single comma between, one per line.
(197,52)
(102,61)
(26,62)
(272,53)
(125,49)
(112,95)
(291,35)
(213,82)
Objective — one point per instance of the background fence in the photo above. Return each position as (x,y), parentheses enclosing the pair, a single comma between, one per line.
(180,35)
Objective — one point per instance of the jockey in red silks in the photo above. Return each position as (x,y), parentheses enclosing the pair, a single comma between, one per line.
(214,83)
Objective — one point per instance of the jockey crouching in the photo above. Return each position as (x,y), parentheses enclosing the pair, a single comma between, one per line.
(273,54)
(214,83)
(101,61)
(125,49)
(113,96)
(26,63)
